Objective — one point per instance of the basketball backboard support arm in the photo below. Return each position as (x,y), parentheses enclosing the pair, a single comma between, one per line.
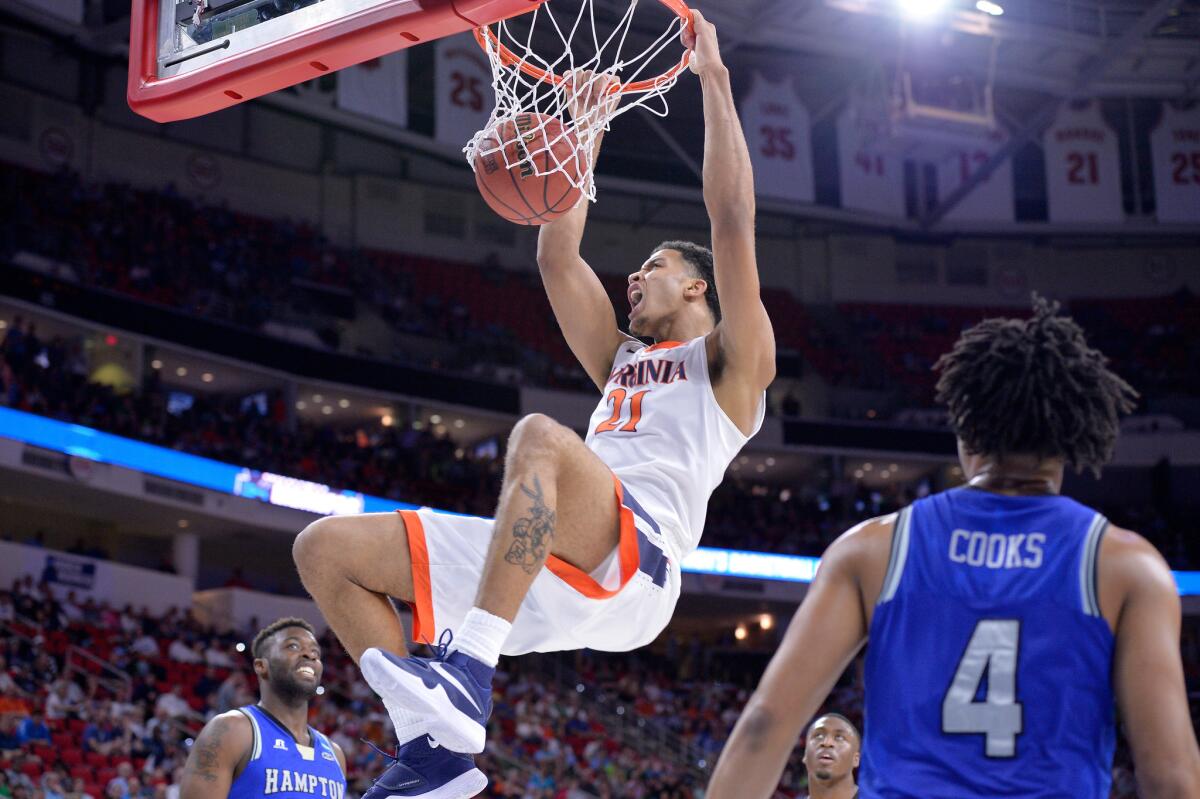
(1092,70)
(174,76)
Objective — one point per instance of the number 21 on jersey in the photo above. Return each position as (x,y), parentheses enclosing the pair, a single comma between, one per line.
(616,398)
(991,652)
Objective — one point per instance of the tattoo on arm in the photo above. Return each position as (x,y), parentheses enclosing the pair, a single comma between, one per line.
(532,534)
(205,758)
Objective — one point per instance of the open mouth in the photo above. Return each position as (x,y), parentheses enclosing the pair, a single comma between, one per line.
(307,671)
(635,298)
(825,757)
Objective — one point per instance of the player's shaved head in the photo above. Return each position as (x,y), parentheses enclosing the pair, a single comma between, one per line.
(819,720)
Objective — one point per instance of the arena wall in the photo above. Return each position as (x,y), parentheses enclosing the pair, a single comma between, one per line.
(337,180)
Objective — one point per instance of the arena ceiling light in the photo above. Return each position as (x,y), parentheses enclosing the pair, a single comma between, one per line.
(921,9)
(988,7)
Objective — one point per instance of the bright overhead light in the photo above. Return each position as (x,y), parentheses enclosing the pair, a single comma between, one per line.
(181,371)
(317,398)
(766,621)
(740,632)
(435,419)
(343,403)
(156,364)
(921,8)
(207,377)
(459,424)
(988,7)
(387,420)
(328,409)
(300,405)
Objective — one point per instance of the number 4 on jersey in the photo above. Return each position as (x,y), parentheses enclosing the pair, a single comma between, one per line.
(991,652)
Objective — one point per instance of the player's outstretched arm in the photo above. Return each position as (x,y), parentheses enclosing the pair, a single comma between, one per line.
(1147,669)
(745,334)
(215,756)
(580,304)
(822,639)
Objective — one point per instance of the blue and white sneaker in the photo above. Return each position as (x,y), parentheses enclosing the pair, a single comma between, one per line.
(424,770)
(453,692)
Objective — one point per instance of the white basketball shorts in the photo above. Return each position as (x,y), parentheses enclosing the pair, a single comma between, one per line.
(622,605)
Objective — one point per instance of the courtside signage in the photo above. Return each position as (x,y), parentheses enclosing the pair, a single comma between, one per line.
(290,492)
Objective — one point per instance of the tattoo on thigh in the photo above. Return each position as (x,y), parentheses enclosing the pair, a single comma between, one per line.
(532,534)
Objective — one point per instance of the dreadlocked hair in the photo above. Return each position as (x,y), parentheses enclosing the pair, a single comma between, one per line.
(1033,386)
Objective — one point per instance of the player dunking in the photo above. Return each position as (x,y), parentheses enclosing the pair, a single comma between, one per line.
(268,749)
(588,536)
(1002,616)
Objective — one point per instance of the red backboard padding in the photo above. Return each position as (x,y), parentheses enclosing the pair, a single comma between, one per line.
(390,26)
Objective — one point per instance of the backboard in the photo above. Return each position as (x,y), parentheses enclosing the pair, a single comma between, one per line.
(193,57)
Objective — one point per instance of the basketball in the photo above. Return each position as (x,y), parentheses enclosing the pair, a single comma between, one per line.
(517,192)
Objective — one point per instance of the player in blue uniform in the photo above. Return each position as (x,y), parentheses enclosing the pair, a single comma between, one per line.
(1004,619)
(268,749)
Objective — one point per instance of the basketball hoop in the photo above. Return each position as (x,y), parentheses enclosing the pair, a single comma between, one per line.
(526,82)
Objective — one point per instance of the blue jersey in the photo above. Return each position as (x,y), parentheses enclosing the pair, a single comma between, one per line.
(280,767)
(989,668)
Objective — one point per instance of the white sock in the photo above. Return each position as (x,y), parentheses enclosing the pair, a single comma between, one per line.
(481,635)
(409,726)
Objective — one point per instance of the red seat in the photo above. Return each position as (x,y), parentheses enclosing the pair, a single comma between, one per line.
(96,760)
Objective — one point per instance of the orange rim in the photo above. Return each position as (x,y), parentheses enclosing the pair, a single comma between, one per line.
(484,35)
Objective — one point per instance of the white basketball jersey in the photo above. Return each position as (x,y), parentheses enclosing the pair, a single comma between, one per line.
(661,431)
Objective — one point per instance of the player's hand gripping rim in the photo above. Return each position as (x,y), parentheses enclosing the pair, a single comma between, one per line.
(700,38)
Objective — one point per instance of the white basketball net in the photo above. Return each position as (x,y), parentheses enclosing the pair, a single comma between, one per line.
(519,93)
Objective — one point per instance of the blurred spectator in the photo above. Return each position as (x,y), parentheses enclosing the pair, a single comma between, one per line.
(234,692)
(65,700)
(145,645)
(7,612)
(34,730)
(121,786)
(10,737)
(102,736)
(184,651)
(172,702)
